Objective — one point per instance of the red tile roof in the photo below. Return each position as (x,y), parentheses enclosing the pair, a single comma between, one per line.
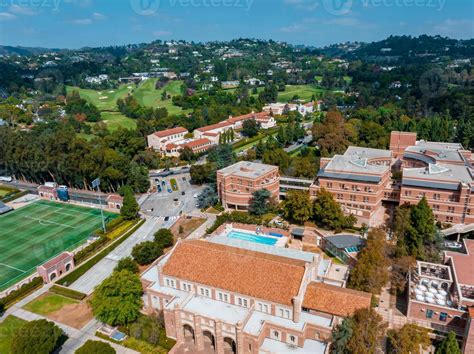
(197,143)
(58,259)
(214,126)
(259,275)
(168,132)
(334,300)
(115,198)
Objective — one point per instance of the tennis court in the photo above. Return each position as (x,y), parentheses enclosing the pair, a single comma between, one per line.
(33,234)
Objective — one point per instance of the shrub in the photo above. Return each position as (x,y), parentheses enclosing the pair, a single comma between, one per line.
(72,294)
(24,290)
(235,216)
(38,336)
(96,347)
(146,252)
(80,256)
(164,238)
(127,263)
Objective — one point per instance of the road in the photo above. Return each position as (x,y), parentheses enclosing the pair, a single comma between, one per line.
(104,268)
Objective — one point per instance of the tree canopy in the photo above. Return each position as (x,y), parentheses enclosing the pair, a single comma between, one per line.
(130,207)
(448,345)
(118,299)
(39,336)
(328,212)
(164,238)
(409,339)
(297,206)
(95,347)
(146,252)
(259,204)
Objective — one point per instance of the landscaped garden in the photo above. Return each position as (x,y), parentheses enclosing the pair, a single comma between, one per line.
(174,184)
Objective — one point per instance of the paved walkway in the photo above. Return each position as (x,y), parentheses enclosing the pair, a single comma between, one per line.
(201,230)
(104,268)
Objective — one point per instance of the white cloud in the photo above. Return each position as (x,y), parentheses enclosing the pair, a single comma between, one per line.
(293,28)
(162,33)
(21,10)
(82,21)
(5,16)
(98,16)
(455,28)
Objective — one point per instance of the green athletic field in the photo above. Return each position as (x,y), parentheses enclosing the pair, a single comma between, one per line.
(31,235)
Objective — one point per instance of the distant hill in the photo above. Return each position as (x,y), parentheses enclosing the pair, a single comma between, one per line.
(10,50)
(405,48)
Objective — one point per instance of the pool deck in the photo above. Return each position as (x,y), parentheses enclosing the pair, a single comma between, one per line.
(256,230)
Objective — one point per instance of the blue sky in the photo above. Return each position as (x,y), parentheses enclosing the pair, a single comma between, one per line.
(78,23)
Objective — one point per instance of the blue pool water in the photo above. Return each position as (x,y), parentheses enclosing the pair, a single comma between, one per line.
(244,236)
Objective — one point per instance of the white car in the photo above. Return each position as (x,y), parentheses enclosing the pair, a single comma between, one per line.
(6,179)
(196,195)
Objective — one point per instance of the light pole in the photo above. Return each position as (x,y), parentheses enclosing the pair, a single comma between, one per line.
(96,184)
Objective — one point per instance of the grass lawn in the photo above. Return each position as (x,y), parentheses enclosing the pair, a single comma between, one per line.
(304,92)
(148,96)
(48,303)
(4,191)
(7,330)
(115,120)
(104,100)
(189,225)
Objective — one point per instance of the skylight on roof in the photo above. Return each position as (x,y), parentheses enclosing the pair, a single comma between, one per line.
(435,169)
(359,162)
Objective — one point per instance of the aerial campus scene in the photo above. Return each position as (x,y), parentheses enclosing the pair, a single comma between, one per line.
(236,176)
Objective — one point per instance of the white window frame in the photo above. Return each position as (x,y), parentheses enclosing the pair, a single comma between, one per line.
(186,287)
(283,312)
(263,307)
(242,301)
(274,334)
(288,339)
(206,292)
(171,283)
(224,297)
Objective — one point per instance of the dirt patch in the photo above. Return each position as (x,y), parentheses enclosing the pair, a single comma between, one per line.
(187,226)
(73,315)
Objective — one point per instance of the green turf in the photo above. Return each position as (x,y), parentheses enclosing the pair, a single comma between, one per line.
(48,303)
(104,100)
(148,96)
(33,234)
(304,92)
(115,120)
(8,328)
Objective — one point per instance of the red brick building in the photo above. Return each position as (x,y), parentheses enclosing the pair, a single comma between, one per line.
(365,180)
(56,267)
(236,183)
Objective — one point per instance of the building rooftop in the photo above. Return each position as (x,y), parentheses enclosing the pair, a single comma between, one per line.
(4,208)
(276,346)
(172,131)
(214,126)
(335,300)
(256,274)
(442,176)
(464,263)
(345,241)
(248,169)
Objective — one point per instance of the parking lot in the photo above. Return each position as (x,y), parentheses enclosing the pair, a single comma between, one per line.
(168,202)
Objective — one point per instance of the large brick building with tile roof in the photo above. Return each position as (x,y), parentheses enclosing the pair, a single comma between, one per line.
(219,297)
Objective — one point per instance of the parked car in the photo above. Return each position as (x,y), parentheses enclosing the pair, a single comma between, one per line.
(5,179)
(183,193)
(167,218)
(169,190)
(163,183)
(452,244)
(158,187)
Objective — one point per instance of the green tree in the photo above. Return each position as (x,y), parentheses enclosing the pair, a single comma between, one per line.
(371,271)
(328,212)
(408,339)
(259,204)
(164,238)
(200,173)
(297,206)
(130,206)
(95,347)
(449,345)
(250,128)
(367,331)
(118,299)
(127,263)
(38,336)
(341,335)
(146,252)
(187,154)
(277,157)
(208,197)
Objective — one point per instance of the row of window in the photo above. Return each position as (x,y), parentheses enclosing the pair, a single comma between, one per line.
(436,196)
(225,297)
(354,187)
(290,339)
(352,197)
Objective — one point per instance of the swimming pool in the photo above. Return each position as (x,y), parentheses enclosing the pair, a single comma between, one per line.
(245,236)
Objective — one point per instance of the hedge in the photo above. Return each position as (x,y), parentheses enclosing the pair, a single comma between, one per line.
(66,292)
(78,272)
(87,251)
(111,225)
(20,293)
(235,216)
(13,196)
